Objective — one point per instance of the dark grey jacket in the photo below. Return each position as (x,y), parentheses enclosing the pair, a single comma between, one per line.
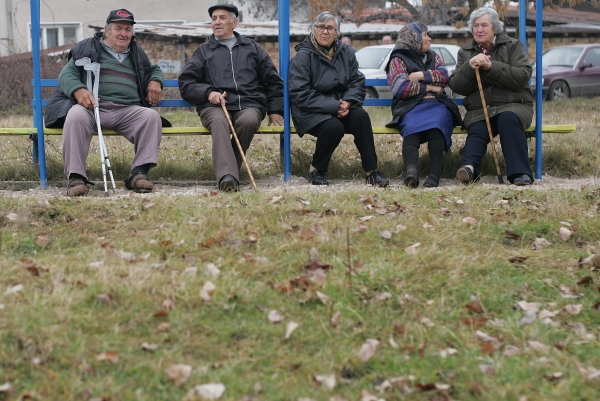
(505,85)
(246,73)
(59,104)
(316,84)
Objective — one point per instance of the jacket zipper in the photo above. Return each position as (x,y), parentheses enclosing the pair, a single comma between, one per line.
(234,81)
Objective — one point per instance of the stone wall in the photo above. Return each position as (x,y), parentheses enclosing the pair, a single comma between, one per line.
(171,53)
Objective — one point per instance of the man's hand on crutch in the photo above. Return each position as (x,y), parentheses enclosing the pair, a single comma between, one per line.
(94,68)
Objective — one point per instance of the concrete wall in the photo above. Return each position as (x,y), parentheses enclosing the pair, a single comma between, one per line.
(93,12)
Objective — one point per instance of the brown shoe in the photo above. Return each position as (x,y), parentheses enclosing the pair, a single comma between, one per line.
(139,183)
(77,187)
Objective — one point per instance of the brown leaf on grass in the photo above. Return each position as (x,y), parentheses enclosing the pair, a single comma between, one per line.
(335,319)
(253,237)
(362,227)
(517,259)
(307,234)
(365,395)
(161,313)
(528,319)
(413,249)
(512,233)
(565,233)
(425,386)
(110,356)
(529,307)
(105,298)
(538,347)
(426,322)
(315,261)
(385,234)
(367,350)
(179,373)
(275,316)
(470,221)
(168,304)
(487,369)
(164,326)
(149,347)
(587,280)
(554,377)
(445,211)
(511,350)
(338,397)
(147,203)
(475,322)
(328,381)
(207,291)
(487,338)
(567,292)
(211,270)
(323,298)
(399,328)
(487,348)
(42,240)
(573,309)
(208,243)
(540,243)
(475,306)
(422,348)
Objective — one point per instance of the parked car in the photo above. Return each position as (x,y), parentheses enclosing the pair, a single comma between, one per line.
(373,59)
(569,71)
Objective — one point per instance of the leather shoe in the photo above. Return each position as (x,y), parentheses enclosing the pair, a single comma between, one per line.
(412,178)
(228,183)
(431,182)
(377,179)
(316,178)
(522,179)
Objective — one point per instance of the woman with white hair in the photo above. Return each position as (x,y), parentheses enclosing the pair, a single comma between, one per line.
(326,94)
(505,73)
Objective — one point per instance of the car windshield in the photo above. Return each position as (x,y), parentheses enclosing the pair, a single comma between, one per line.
(372,57)
(561,57)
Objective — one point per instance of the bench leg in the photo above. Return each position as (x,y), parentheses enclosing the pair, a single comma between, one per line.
(34,149)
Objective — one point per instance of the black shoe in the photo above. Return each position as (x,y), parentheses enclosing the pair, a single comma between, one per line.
(522,180)
(412,178)
(228,183)
(465,175)
(431,182)
(316,178)
(377,179)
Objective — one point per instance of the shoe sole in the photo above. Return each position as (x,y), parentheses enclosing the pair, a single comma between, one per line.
(228,187)
(411,182)
(463,176)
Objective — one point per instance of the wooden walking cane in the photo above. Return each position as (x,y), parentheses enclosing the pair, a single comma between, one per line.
(239,145)
(489,127)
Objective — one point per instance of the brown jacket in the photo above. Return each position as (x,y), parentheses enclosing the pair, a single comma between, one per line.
(505,85)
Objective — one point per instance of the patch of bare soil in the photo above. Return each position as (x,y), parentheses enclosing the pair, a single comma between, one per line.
(276,184)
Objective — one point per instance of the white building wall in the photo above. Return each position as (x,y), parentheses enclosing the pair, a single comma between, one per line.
(54,13)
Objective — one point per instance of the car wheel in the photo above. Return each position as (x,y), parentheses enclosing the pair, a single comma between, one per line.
(372,94)
(558,90)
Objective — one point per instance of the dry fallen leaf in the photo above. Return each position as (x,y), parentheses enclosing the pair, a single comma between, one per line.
(327,381)
(207,291)
(487,369)
(529,306)
(365,395)
(6,388)
(474,306)
(448,352)
(487,338)
(110,356)
(149,347)
(554,377)
(412,250)
(565,233)
(323,298)
(291,326)
(209,391)
(511,350)
(573,309)
(540,243)
(164,326)
(368,349)
(383,386)
(385,234)
(538,347)
(14,289)
(471,221)
(528,319)
(168,304)
(179,373)
(335,319)
(211,270)
(42,240)
(275,316)
(426,321)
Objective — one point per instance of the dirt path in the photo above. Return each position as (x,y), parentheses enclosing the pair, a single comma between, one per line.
(276,184)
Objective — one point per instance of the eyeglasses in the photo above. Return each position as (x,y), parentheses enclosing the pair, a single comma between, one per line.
(328,28)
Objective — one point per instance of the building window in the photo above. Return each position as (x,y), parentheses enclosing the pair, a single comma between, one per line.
(58,34)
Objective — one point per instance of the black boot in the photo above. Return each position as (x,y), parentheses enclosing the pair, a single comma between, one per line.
(410,154)
(436,144)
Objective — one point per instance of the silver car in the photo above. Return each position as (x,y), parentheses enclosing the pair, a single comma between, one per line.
(373,59)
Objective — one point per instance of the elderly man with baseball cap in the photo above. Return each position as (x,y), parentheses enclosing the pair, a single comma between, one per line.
(129,86)
(229,62)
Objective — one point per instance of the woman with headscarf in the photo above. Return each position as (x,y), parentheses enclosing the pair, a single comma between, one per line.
(421,110)
(326,94)
(505,73)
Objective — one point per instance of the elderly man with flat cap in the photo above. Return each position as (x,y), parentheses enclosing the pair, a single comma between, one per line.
(129,86)
(228,62)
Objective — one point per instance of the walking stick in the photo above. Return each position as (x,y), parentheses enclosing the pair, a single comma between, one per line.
(489,127)
(239,145)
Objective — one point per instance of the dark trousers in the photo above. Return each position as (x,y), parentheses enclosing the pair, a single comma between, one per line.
(512,139)
(330,132)
(436,145)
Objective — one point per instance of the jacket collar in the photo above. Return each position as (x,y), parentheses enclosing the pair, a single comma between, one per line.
(501,38)
(213,43)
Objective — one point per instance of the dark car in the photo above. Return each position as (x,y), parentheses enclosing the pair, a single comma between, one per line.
(569,71)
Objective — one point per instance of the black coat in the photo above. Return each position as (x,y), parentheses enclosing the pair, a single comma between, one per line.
(246,73)
(316,84)
(59,104)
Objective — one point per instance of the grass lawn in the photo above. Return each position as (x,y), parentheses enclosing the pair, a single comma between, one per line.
(464,293)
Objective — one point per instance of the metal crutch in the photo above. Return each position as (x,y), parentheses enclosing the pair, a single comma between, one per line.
(104,159)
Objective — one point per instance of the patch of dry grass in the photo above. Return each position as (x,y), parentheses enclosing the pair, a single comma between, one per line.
(85,282)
